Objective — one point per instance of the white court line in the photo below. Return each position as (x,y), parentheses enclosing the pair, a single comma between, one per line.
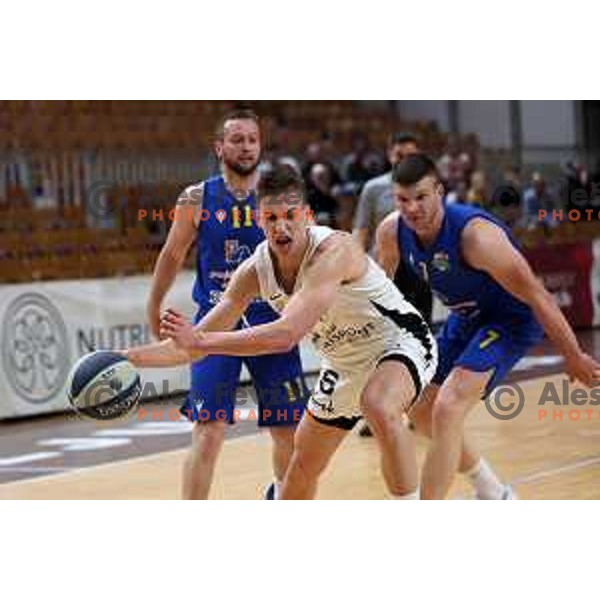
(580,464)
(587,433)
(26,458)
(121,433)
(78,470)
(113,463)
(33,470)
(65,471)
(544,474)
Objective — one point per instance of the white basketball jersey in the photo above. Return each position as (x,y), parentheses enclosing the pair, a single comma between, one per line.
(363,323)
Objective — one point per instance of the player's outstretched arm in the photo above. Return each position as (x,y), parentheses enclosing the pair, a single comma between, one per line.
(487,247)
(172,255)
(339,259)
(333,264)
(386,244)
(160,354)
(181,347)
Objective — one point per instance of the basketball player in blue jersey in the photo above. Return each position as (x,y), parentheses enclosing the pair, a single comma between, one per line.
(498,310)
(219,215)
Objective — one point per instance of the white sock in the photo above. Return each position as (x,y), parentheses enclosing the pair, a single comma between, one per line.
(276,489)
(410,496)
(485,482)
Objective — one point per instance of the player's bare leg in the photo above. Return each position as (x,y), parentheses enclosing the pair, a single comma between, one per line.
(421,416)
(460,392)
(480,474)
(384,401)
(281,453)
(199,465)
(314,445)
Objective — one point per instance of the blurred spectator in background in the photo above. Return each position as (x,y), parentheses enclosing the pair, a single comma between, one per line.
(354,165)
(477,194)
(376,164)
(469,156)
(321,198)
(454,165)
(272,158)
(314,155)
(345,196)
(459,193)
(512,179)
(329,150)
(574,188)
(290,161)
(535,198)
(362,164)
(376,200)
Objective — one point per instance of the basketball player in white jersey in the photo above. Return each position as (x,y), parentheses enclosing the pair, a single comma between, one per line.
(377,351)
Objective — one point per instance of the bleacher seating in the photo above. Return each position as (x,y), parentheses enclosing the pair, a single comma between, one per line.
(150,150)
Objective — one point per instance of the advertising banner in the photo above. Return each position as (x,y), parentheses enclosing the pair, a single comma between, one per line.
(566,271)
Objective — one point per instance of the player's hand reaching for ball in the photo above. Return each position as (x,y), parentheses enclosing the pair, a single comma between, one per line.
(175,326)
(584,369)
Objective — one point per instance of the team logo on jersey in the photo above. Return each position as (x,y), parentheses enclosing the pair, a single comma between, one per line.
(441,261)
(236,253)
(221,215)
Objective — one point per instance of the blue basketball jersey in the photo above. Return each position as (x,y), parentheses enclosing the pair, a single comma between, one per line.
(466,291)
(227,235)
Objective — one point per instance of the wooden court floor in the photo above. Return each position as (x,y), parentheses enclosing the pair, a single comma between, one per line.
(543,457)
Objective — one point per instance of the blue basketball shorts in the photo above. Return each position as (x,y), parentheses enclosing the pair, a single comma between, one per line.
(279,396)
(480,346)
